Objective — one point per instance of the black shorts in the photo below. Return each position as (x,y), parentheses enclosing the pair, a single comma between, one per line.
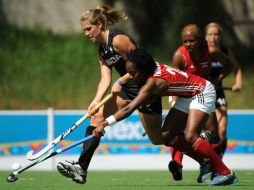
(220,98)
(155,107)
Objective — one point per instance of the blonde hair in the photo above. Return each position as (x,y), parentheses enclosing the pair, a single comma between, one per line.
(107,15)
(214,24)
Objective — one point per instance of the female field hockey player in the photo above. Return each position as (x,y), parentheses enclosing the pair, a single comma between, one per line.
(187,118)
(195,57)
(213,36)
(114,45)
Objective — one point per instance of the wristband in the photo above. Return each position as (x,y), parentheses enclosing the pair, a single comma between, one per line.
(119,82)
(111,120)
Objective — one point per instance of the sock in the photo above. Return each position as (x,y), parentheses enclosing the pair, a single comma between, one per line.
(217,148)
(89,148)
(205,149)
(184,147)
(176,155)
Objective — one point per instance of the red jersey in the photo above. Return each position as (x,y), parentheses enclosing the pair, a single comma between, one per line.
(180,84)
(200,67)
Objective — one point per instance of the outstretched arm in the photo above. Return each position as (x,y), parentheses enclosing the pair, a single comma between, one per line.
(237,71)
(144,94)
(178,64)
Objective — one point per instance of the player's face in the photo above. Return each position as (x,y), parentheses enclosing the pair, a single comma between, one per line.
(213,37)
(136,75)
(190,41)
(93,32)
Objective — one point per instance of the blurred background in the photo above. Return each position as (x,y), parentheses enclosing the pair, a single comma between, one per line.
(45,61)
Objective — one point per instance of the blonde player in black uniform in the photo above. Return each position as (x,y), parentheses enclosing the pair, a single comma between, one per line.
(114,45)
(213,35)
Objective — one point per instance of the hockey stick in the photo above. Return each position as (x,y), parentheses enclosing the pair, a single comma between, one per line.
(13,176)
(31,156)
(227,88)
(223,88)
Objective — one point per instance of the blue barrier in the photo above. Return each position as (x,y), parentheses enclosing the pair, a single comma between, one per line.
(23,131)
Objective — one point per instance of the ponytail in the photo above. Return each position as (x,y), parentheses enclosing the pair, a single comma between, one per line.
(103,13)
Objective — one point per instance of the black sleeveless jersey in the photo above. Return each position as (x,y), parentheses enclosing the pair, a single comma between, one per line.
(217,67)
(216,70)
(113,59)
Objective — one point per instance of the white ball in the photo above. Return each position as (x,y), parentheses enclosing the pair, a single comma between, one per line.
(16,166)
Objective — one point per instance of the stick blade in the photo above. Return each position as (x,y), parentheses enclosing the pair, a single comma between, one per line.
(30,156)
(12,178)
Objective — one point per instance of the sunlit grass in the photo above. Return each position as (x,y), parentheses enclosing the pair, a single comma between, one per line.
(120,180)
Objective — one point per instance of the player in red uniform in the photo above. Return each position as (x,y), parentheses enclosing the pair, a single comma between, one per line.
(195,57)
(185,121)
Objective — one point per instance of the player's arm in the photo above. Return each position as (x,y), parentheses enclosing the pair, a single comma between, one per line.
(117,86)
(178,64)
(177,60)
(103,84)
(237,71)
(218,55)
(123,46)
(124,78)
(144,94)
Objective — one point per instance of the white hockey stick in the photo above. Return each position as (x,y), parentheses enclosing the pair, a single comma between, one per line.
(31,156)
(13,176)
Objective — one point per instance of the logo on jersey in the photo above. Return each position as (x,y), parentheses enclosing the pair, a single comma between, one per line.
(216,64)
(204,64)
(112,60)
(221,101)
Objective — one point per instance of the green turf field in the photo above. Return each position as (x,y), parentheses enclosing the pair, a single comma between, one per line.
(119,180)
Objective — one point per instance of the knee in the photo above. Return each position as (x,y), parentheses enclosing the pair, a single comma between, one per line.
(191,137)
(97,119)
(165,135)
(168,138)
(155,139)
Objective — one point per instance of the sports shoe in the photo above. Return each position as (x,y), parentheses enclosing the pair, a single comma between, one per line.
(204,173)
(72,170)
(176,170)
(223,179)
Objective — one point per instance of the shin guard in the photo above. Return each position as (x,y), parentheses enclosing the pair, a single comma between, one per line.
(89,148)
